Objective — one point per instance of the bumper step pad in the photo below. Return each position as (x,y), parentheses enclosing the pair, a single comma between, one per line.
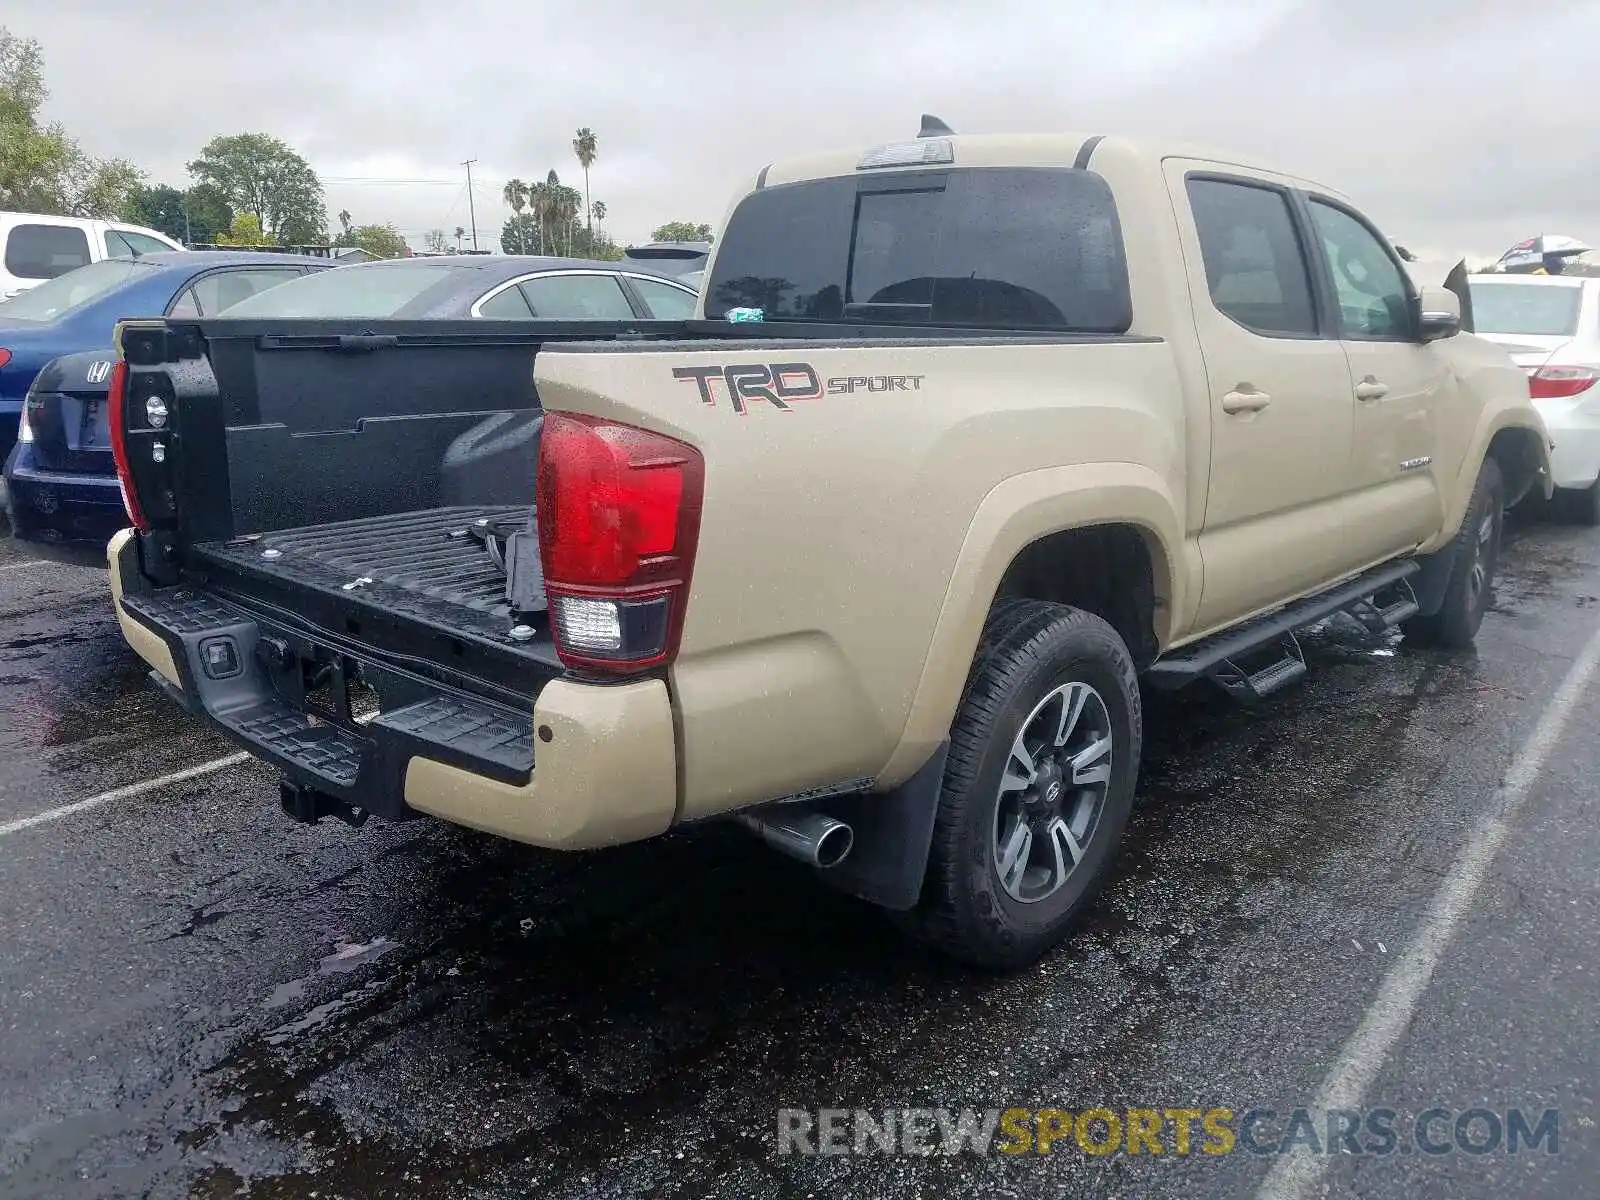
(362,766)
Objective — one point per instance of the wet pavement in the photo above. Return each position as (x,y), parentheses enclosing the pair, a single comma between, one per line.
(200,999)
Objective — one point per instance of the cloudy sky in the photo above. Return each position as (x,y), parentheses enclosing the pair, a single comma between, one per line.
(1461,126)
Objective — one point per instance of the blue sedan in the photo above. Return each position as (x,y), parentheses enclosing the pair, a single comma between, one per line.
(60,479)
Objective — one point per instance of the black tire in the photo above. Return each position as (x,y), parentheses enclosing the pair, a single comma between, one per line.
(1581,505)
(1030,650)
(1466,596)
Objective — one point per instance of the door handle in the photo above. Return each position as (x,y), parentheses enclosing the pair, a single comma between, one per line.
(1370,389)
(1245,402)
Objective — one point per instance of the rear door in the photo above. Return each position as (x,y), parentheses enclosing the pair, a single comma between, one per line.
(1282,412)
(1398,382)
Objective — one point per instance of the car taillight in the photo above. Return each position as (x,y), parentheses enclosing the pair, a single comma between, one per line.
(619,517)
(5,356)
(1554,382)
(116,403)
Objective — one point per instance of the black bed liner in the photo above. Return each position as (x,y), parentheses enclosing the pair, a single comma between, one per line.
(399,583)
(415,559)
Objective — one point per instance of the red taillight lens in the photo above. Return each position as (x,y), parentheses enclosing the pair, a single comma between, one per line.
(5,356)
(1554,382)
(116,405)
(619,516)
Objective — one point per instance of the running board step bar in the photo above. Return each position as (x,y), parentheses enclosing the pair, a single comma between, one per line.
(1246,683)
(1382,594)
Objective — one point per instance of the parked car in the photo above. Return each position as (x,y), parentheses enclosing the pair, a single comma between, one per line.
(507,287)
(872,568)
(55,357)
(1550,325)
(669,258)
(35,247)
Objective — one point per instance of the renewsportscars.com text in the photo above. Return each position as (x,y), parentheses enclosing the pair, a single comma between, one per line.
(1166,1131)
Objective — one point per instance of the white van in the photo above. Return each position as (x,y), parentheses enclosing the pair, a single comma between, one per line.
(35,247)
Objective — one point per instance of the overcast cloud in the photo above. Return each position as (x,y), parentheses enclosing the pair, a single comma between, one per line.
(1461,127)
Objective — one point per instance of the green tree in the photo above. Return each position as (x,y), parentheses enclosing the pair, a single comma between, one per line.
(208,213)
(260,174)
(681,231)
(520,232)
(159,208)
(382,240)
(515,194)
(597,211)
(587,150)
(41,168)
(245,230)
(460,233)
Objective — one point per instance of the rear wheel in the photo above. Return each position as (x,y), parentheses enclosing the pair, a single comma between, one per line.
(1581,504)
(1474,553)
(1043,758)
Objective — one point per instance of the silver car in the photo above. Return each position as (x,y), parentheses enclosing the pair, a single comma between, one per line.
(1550,325)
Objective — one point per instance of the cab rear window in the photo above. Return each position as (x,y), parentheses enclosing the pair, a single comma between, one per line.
(974,247)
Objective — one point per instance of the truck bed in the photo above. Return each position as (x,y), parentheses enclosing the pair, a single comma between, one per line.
(414,563)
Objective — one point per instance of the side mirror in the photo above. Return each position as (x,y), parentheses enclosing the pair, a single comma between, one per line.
(1438,315)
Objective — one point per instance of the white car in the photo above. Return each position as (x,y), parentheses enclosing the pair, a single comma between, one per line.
(1550,325)
(37,246)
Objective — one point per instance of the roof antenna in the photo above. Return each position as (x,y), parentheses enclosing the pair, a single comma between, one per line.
(933,127)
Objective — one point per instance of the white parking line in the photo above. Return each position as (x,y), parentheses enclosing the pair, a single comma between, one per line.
(123,793)
(1295,1176)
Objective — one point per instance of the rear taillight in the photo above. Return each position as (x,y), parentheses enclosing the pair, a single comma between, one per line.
(1549,383)
(5,356)
(619,516)
(116,405)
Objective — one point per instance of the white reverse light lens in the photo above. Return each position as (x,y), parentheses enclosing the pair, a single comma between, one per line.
(24,429)
(592,625)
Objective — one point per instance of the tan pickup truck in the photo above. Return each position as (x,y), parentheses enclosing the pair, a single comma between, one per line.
(971,435)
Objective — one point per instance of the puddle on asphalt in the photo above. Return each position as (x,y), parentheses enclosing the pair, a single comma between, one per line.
(348,957)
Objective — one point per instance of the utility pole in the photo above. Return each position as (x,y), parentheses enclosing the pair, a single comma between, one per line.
(472,210)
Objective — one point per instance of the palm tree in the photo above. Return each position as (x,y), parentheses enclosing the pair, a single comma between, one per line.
(585,148)
(460,233)
(344,219)
(515,194)
(597,213)
(539,203)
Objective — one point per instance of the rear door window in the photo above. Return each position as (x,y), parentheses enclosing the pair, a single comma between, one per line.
(1254,262)
(990,248)
(118,246)
(218,292)
(45,251)
(577,298)
(665,302)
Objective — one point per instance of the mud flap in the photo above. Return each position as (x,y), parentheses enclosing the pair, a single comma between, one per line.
(893,834)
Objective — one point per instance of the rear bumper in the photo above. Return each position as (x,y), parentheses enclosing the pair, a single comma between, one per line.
(1574,426)
(606,755)
(74,512)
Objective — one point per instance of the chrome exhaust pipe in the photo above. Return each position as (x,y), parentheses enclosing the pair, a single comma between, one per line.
(801,833)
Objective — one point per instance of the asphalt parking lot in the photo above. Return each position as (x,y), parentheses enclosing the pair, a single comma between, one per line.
(200,999)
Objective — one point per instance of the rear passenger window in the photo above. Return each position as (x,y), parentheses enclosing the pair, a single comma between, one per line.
(118,247)
(1255,265)
(219,292)
(578,298)
(45,251)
